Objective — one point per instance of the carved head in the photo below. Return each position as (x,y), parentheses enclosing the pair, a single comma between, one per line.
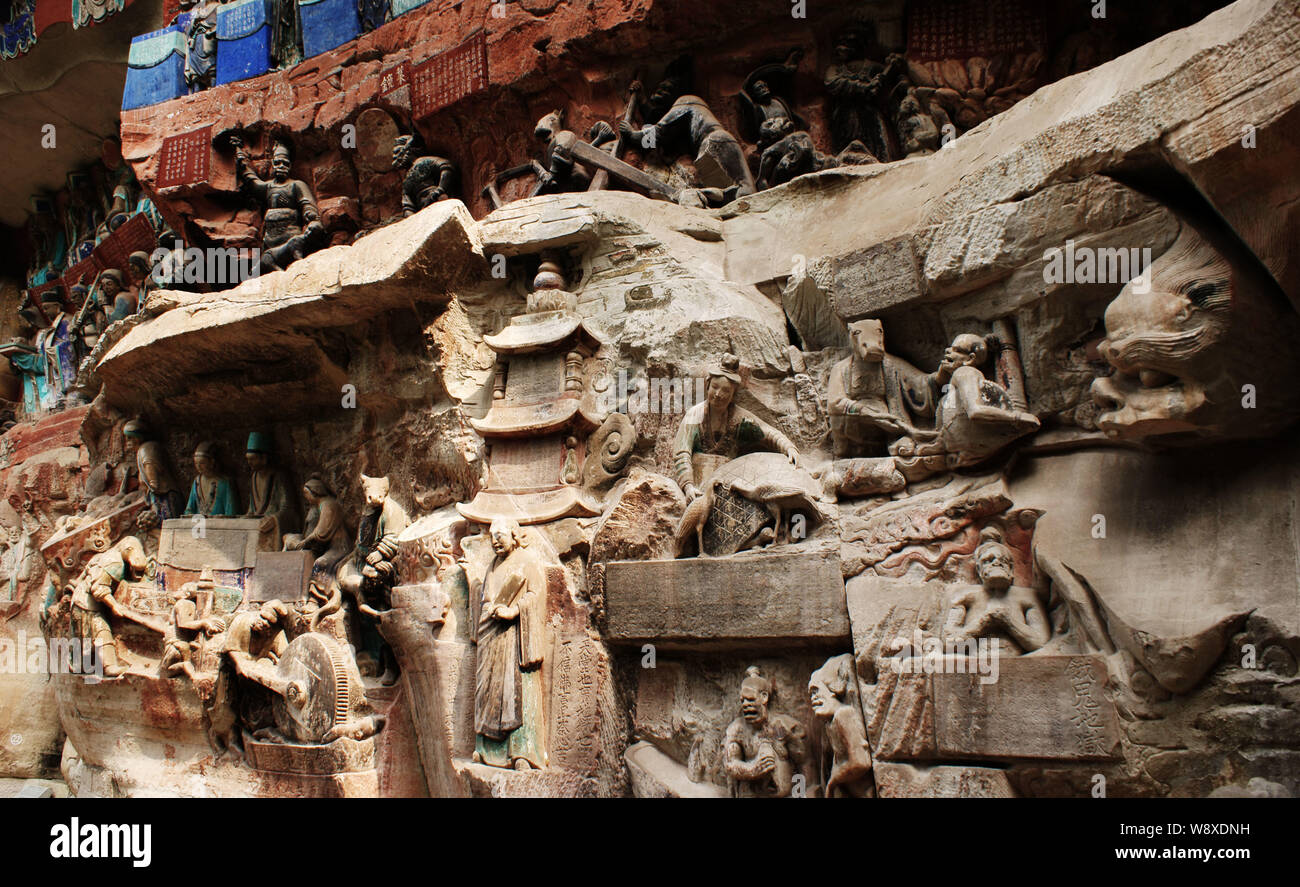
(139,265)
(1185,337)
(967,349)
(549,125)
(110,283)
(375,490)
(257,452)
(755,694)
(134,433)
(205,458)
(133,554)
(404,148)
(281,161)
(505,535)
(830,686)
(724,380)
(314,490)
(760,90)
(270,615)
(994,563)
(867,338)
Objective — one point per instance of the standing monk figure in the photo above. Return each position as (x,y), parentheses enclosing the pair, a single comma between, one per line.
(511,634)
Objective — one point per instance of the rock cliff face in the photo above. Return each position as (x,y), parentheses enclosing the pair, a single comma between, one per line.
(965,473)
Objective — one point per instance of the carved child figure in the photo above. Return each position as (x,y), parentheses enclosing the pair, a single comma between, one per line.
(762,751)
(1012,616)
(833,692)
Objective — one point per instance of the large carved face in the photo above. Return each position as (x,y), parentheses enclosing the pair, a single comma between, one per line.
(720,392)
(1184,339)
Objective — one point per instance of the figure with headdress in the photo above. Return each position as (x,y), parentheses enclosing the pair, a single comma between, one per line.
(717,431)
(268,494)
(201,46)
(211,493)
(57,347)
(1012,617)
(291,226)
(428,178)
(768,93)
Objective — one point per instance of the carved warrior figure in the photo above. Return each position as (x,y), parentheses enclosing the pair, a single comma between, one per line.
(511,640)
(201,46)
(268,494)
(858,87)
(211,494)
(428,178)
(291,227)
(1011,616)
(325,532)
(762,751)
(93,603)
(690,127)
(833,690)
(162,499)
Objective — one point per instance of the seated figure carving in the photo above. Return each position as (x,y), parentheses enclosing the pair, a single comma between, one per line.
(1012,616)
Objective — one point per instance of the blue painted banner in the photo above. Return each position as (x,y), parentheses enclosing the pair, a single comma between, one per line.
(401,7)
(327,24)
(243,40)
(155,68)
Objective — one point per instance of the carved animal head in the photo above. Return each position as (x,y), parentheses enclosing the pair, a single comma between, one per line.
(868,340)
(375,490)
(1186,338)
(549,125)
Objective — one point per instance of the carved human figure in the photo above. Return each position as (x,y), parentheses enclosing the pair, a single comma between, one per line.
(973,416)
(18,562)
(428,178)
(325,532)
(511,643)
(765,94)
(690,127)
(286,33)
(719,428)
(162,497)
(762,751)
(255,640)
(268,494)
(785,153)
(1011,616)
(918,134)
(57,347)
(94,606)
(187,624)
(117,300)
(201,45)
(857,86)
(561,171)
(833,692)
(211,493)
(291,227)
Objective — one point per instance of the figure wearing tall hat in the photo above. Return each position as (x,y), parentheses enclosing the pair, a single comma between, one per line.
(268,494)
(55,344)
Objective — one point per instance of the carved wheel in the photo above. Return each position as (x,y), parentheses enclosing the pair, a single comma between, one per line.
(319,691)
